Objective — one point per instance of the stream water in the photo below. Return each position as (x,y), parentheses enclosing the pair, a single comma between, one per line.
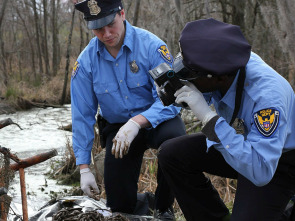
(40,134)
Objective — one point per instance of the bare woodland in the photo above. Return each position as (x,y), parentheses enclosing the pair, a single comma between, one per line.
(40,38)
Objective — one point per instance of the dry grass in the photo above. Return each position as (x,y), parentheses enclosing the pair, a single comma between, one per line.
(41,89)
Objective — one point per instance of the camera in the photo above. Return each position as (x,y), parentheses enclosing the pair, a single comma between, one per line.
(168,83)
(168,79)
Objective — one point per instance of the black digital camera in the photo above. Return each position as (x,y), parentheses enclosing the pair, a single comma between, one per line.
(167,81)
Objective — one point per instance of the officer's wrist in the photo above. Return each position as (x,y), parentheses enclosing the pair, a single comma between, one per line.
(85,170)
(209,129)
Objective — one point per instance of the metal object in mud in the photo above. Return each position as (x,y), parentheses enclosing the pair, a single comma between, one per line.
(20,165)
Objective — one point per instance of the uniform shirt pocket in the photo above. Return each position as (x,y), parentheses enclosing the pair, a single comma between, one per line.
(137,81)
(105,88)
(141,89)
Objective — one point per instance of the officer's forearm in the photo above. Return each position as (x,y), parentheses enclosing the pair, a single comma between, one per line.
(83,166)
(142,121)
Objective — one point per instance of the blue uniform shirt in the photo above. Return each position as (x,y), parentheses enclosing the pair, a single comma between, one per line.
(268,112)
(119,89)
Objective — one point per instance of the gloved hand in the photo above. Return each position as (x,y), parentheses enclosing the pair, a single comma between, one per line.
(124,137)
(195,100)
(87,180)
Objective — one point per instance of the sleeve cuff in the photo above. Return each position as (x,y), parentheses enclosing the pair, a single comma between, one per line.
(209,129)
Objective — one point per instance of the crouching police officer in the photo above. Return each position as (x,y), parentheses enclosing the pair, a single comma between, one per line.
(112,72)
(221,69)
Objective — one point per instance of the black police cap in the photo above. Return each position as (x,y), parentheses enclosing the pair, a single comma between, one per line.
(99,13)
(212,46)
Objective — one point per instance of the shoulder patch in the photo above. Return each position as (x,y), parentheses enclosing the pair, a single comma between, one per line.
(75,69)
(267,121)
(163,50)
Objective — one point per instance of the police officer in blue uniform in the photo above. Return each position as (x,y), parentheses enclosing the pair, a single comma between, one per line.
(250,137)
(112,73)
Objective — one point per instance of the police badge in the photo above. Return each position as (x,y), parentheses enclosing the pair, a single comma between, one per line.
(93,7)
(133,66)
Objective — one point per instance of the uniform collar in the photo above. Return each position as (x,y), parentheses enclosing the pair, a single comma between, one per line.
(127,40)
(128,36)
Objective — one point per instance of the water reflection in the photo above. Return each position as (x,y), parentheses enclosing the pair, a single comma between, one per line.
(40,134)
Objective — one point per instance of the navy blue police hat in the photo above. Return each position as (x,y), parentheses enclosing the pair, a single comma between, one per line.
(99,13)
(211,46)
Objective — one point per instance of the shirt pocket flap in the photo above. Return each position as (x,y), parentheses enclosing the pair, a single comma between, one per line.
(137,81)
(105,88)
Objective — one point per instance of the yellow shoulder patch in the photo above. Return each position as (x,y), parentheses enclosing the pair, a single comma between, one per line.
(163,50)
(75,69)
(267,121)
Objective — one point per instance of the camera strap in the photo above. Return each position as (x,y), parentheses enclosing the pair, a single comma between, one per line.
(239,91)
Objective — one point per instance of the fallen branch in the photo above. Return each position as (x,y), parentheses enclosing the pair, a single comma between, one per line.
(7,122)
(26,104)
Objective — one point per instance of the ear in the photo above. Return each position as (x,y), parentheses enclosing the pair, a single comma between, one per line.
(122,12)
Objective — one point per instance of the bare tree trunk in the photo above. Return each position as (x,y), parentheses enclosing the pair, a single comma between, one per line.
(62,100)
(2,50)
(57,34)
(20,15)
(238,8)
(36,21)
(4,3)
(54,37)
(81,34)
(136,12)
(45,48)
(3,56)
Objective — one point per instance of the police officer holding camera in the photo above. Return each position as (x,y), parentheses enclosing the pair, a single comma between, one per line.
(112,73)
(218,67)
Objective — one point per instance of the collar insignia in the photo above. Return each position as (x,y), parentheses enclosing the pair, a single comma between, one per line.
(93,7)
(267,121)
(133,66)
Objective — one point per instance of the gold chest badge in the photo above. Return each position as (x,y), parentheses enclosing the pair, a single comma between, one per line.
(133,66)
(267,121)
(93,7)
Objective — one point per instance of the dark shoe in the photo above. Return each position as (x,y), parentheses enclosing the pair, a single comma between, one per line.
(165,215)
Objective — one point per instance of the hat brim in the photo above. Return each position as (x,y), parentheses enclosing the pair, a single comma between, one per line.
(101,22)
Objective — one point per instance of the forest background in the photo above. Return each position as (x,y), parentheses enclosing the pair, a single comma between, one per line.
(40,41)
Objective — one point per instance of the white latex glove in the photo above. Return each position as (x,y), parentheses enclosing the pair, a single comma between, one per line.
(124,138)
(87,180)
(196,101)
